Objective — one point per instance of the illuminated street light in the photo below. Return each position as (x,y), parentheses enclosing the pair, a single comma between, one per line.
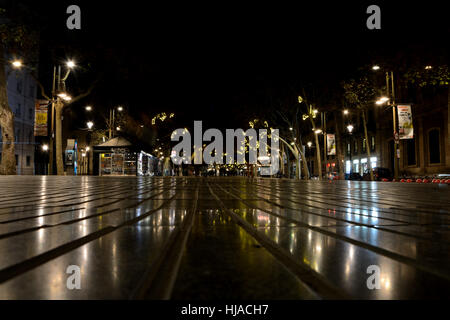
(17,63)
(382,100)
(90,124)
(45,147)
(88,108)
(62,95)
(309,144)
(428,67)
(318,131)
(70,64)
(345,111)
(118,128)
(291,129)
(315,111)
(350,128)
(119,108)
(376,67)
(87,148)
(83,154)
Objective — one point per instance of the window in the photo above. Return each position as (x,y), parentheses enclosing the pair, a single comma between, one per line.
(372,144)
(18,110)
(17,135)
(28,161)
(434,146)
(31,90)
(19,86)
(349,150)
(355,147)
(363,145)
(411,151)
(17,160)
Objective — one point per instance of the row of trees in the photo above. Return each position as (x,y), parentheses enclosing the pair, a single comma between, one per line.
(296,115)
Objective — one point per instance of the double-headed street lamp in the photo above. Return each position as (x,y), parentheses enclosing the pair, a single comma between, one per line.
(389,99)
(58,94)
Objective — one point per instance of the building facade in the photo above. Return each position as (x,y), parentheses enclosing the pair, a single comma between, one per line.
(21,91)
(427,154)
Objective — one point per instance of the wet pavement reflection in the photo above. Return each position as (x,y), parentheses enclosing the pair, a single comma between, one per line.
(222,238)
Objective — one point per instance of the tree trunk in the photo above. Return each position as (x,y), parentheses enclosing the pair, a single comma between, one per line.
(58,138)
(305,166)
(339,149)
(288,164)
(367,145)
(8,164)
(319,162)
(316,137)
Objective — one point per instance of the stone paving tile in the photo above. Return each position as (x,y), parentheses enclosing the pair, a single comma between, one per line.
(222,237)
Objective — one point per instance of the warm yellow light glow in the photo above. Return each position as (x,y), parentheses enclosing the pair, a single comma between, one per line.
(17,63)
(318,131)
(45,147)
(309,144)
(88,108)
(382,100)
(428,67)
(119,108)
(375,67)
(90,124)
(87,148)
(70,64)
(350,128)
(345,111)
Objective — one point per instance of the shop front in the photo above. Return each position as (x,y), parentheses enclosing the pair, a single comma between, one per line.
(118,157)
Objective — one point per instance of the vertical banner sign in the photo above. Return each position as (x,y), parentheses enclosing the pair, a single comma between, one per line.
(331,144)
(405,123)
(40,118)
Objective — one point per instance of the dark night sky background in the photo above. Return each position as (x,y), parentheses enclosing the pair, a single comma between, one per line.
(213,60)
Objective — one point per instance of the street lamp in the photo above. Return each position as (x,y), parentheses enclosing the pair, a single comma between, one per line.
(17,64)
(382,100)
(88,108)
(90,124)
(318,131)
(390,99)
(375,67)
(309,144)
(350,128)
(345,112)
(120,108)
(70,64)
(45,147)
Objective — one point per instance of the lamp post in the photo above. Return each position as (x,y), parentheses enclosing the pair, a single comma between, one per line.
(58,85)
(112,117)
(390,100)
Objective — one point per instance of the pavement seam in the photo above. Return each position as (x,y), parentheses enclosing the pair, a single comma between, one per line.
(310,278)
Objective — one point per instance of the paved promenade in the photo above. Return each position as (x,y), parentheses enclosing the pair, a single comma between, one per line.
(222,238)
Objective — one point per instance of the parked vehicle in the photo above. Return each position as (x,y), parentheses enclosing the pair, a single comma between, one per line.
(333,176)
(378,174)
(353,176)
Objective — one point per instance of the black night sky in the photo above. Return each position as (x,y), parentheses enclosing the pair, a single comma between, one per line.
(216,61)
